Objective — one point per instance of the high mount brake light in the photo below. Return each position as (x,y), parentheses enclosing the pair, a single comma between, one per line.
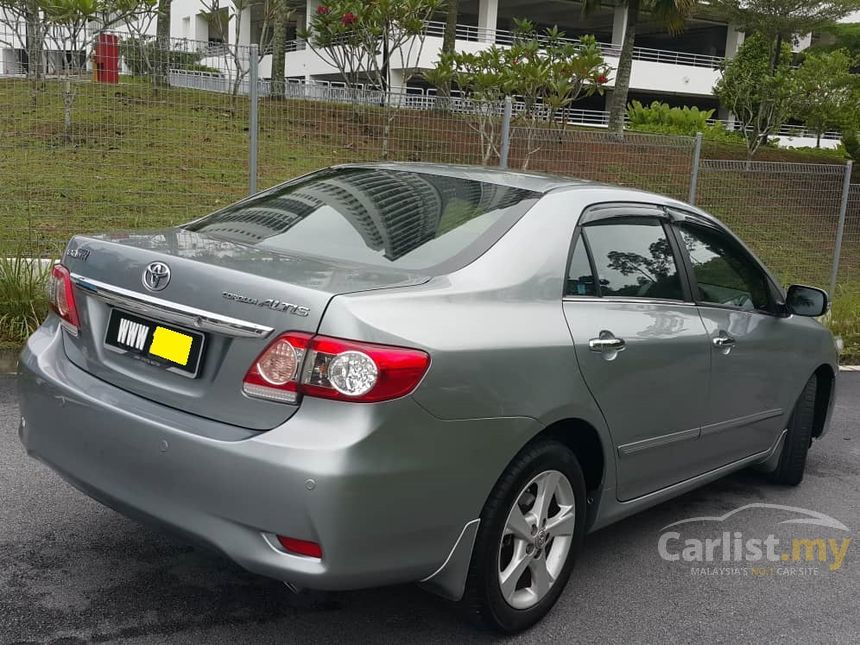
(61,294)
(332,368)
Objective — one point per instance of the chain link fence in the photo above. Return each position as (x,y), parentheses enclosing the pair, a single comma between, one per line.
(788,212)
(184,128)
(849,269)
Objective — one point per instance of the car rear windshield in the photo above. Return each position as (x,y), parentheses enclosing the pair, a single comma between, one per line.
(375,216)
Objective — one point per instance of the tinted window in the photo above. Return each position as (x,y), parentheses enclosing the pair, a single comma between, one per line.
(373,216)
(580,280)
(634,259)
(724,271)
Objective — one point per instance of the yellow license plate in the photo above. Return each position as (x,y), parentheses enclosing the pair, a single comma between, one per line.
(171,345)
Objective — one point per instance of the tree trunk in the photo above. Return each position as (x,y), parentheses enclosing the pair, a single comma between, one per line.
(618,98)
(279,55)
(818,140)
(162,36)
(35,42)
(775,56)
(449,39)
(449,46)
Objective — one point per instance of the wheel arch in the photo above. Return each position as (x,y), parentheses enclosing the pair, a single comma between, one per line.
(586,442)
(823,397)
(590,448)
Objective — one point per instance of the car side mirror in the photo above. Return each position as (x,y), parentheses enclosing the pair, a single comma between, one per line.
(807,301)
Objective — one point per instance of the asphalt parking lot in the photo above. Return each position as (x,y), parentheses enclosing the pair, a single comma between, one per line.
(72,571)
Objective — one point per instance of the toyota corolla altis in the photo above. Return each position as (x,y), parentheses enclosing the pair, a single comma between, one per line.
(386,373)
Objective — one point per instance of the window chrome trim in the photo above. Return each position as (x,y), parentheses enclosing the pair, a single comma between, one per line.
(170,311)
(704,304)
(625,300)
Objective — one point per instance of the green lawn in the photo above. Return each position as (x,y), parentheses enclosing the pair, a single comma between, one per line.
(137,156)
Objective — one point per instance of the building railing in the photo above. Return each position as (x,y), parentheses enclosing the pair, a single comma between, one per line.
(505,37)
(471,33)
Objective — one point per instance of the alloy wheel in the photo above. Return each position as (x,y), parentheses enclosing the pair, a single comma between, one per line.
(536,539)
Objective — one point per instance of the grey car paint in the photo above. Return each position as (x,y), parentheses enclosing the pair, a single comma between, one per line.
(393,490)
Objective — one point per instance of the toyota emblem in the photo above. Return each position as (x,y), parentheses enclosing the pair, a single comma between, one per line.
(156,276)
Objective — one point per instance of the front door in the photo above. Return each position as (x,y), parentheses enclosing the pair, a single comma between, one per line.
(751,362)
(640,344)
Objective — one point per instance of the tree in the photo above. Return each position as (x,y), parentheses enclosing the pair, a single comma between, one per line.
(827,92)
(137,17)
(851,143)
(67,24)
(672,14)
(839,36)
(13,13)
(449,42)
(545,72)
(281,13)
(758,92)
(360,39)
(162,37)
(784,20)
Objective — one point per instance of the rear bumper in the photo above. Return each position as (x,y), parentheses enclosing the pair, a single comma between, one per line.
(385,489)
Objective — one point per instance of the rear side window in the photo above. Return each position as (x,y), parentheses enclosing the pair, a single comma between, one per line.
(375,216)
(634,259)
(580,279)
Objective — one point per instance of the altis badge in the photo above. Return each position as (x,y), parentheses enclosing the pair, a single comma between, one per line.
(269,303)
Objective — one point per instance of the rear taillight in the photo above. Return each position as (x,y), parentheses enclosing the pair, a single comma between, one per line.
(275,374)
(62,297)
(331,368)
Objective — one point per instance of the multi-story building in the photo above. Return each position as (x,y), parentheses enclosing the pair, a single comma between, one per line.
(680,69)
(683,67)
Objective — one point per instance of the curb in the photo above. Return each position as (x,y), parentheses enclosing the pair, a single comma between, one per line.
(849,368)
(9,361)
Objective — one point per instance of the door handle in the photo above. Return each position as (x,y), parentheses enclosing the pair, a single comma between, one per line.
(607,343)
(724,342)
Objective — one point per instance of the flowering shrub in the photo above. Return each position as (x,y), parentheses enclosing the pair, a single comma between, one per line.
(544,71)
(348,34)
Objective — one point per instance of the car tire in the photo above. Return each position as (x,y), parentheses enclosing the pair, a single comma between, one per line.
(536,469)
(792,460)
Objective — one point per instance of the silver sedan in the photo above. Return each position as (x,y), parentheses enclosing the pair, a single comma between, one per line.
(388,373)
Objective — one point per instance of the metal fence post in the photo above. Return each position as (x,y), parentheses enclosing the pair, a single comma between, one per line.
(253,127)
(506,133)
(840,229)
(694,173)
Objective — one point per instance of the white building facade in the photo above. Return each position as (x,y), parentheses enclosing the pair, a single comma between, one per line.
(679,69)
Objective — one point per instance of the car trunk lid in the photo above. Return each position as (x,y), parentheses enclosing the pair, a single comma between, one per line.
(235,298)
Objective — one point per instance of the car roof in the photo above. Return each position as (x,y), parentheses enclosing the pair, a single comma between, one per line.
(535,181)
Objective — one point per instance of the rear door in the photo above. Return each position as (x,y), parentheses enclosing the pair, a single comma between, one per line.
(752,357)
(640,343)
